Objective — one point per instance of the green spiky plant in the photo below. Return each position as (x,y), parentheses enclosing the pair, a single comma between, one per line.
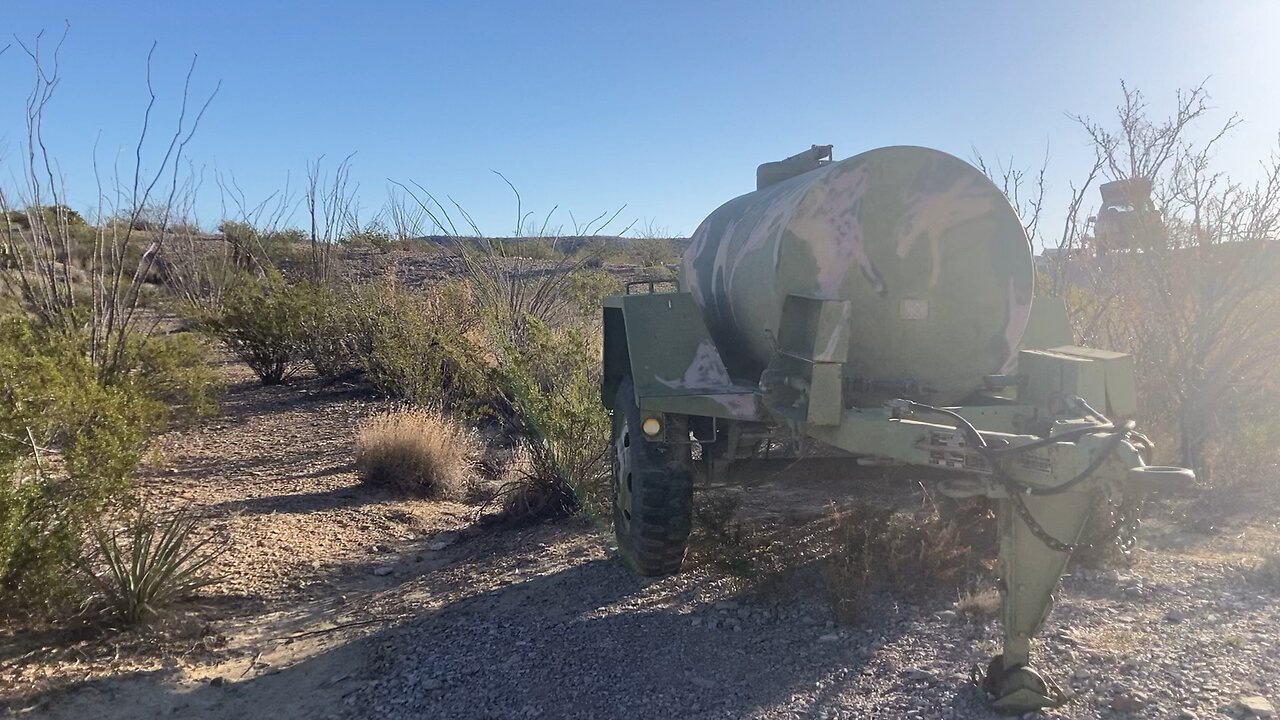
(158,562)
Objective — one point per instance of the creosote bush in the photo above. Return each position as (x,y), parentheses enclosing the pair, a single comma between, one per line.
(173,369)
(551,382)
(418,452)
(69,444)
(423,347)
(265,324)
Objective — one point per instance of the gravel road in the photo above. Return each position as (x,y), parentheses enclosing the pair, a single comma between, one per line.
(563,631)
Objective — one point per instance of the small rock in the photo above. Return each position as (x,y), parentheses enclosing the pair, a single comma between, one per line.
(1187,715)
(1175,616)
(444,539)
(432,684)
(1256,706)
(383,571)
(829,637)
(947,615)
(915,673)
(218,681)
(704,683)
(1126,703)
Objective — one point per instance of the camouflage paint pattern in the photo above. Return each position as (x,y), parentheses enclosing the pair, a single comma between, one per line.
(933,259)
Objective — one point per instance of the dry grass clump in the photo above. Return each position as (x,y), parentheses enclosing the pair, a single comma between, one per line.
(858,552)
(1267,573)
(979,603)
(418,452)
(877,549)
(763,555)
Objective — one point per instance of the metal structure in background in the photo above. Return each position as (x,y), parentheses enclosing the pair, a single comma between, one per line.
(881,304)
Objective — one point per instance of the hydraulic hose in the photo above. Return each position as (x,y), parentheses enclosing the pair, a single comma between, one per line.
(994,455)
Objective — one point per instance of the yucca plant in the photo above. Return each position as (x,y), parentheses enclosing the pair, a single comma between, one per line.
(158,561)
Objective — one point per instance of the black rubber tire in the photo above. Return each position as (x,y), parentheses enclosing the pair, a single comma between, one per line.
(653,535)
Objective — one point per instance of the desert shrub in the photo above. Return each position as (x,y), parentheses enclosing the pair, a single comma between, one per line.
(589,287)
(720,540)
(417,452)
(336,338)
(759,557)
(266,325)
(173,369)
(650,252)
(878,549)
(373,236)
(149,563)
(68,446)
(48,215)
(419,346)
(1245,458)
(243,239)
(551,382)
(534,249)
(40,538)
(264,249)
(856,553)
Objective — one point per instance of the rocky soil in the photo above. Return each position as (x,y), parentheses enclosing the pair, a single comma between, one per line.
(341,602)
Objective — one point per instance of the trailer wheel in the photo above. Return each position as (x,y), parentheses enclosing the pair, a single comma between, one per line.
(652,492)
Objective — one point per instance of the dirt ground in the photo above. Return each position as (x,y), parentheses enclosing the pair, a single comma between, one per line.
(339,601)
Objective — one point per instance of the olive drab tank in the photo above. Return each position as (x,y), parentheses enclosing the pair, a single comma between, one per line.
(932,259)
(877,311)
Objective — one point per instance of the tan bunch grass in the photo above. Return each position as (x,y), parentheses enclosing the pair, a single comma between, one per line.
(418,452)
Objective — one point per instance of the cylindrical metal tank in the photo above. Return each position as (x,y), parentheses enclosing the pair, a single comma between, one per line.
(927,250)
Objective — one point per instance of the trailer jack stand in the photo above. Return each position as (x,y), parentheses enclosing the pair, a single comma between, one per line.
(1030,572)
(1018,689)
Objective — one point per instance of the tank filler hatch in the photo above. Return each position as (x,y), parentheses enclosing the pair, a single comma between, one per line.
(773,173)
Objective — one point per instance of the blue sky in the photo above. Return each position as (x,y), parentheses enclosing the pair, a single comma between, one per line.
(664,106)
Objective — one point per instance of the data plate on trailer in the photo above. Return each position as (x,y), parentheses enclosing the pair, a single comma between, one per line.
(1036,462)
(948,449)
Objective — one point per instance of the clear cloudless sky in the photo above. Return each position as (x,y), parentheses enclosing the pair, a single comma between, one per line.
(665,106)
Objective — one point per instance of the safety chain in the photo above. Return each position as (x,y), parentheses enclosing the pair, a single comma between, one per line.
(1034,526)
(1125,518)
(1123,530)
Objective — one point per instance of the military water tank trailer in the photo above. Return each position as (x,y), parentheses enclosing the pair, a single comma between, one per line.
(882,305)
